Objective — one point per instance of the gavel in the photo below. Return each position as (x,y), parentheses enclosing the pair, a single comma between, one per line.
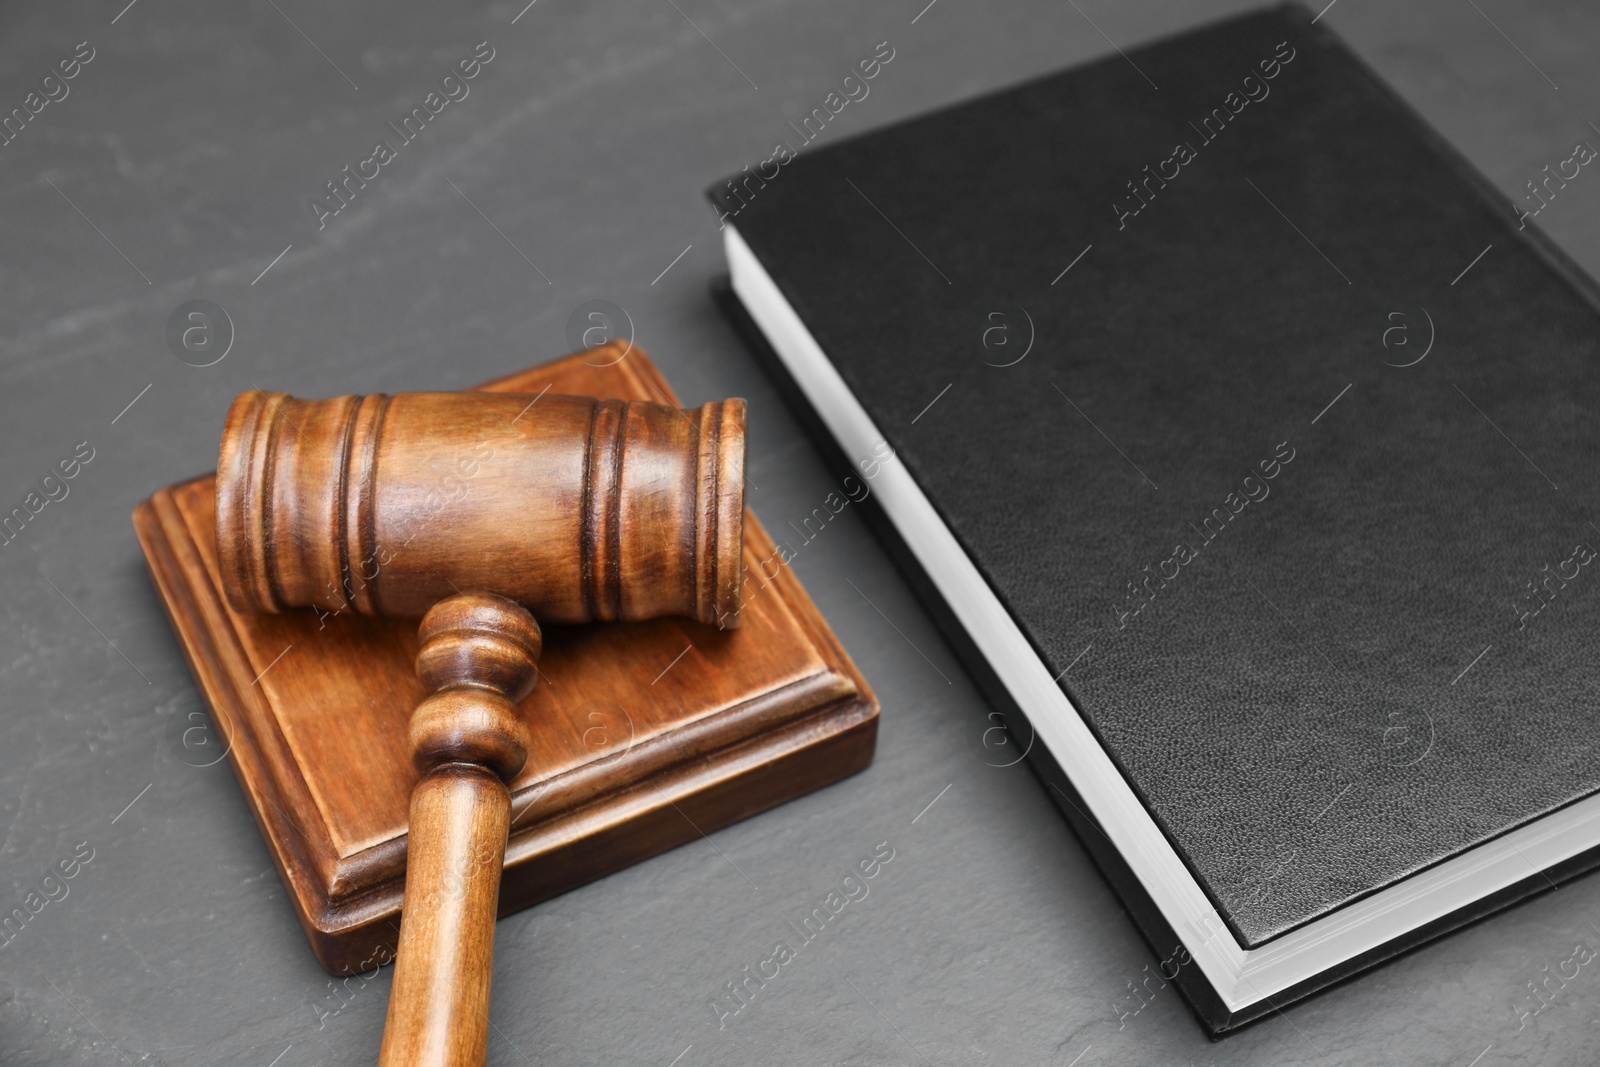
(481,513)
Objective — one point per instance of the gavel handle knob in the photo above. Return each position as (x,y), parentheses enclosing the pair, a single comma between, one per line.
(477,656)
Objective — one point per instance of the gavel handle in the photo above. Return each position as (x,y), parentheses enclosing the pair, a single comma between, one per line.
(439,1003)
(477,656)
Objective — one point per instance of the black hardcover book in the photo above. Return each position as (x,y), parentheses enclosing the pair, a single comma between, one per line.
(1244,443)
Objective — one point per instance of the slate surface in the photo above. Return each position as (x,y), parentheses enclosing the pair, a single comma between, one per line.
(183,160)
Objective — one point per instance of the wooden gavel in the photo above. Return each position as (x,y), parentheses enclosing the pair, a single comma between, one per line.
(476,511)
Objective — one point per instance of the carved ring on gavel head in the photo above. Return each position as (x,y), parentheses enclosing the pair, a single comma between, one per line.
(477,511)
(580,509)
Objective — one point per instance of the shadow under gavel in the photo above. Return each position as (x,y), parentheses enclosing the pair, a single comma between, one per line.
(476,511)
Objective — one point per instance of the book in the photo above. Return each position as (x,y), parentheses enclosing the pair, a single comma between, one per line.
(1240,437)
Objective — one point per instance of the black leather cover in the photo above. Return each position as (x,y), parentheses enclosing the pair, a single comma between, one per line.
(1160,936)
(1289,698)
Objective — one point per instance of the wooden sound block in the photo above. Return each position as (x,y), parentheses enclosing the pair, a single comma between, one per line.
(646,735)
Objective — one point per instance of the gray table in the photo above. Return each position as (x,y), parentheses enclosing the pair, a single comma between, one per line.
(182,164)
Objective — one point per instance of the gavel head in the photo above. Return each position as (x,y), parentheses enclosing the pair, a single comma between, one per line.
(580,509)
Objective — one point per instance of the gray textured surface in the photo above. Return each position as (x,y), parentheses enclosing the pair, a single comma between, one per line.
(194,140)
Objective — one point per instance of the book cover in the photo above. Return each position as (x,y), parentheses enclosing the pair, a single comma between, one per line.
(1267,426)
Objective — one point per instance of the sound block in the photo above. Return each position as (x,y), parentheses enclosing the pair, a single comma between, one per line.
(645,735)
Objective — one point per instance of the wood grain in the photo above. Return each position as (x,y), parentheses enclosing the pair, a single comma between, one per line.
(581,509)
(477,654)
(642,734)
(439,1003)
